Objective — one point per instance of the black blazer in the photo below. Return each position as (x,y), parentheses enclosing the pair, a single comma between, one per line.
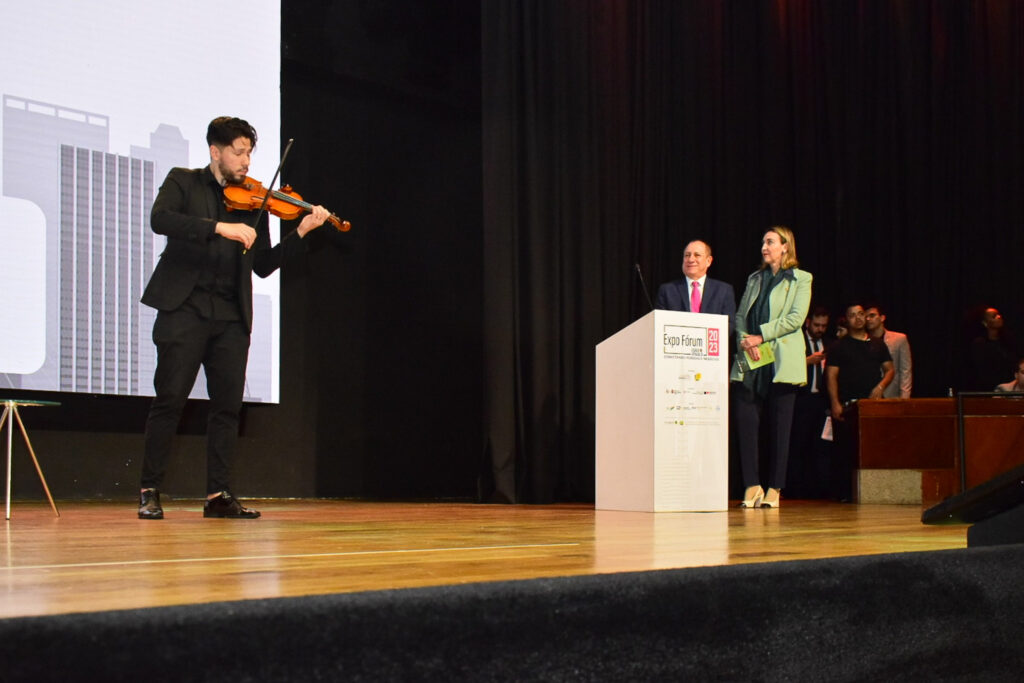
(718,297)
(186,211)
(826,342)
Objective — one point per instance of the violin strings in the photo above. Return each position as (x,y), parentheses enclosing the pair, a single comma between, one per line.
(292,200)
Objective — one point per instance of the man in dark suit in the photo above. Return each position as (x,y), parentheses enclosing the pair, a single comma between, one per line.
(202,290)
(697,293)
(809,472)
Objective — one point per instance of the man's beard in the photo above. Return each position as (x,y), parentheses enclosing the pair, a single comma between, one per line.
(228,176)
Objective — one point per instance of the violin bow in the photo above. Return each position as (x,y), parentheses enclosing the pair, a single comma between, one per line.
(270,187)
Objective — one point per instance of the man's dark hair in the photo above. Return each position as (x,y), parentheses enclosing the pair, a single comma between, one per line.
(875,305)
(819,312)
(224,130)
(851,305)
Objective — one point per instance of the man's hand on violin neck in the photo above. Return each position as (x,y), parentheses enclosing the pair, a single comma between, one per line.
(313,220)
(239,232)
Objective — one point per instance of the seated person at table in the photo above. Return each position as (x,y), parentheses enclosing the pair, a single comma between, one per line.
(1017,384)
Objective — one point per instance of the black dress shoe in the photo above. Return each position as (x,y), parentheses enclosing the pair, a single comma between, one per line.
(226,505)
(149,505)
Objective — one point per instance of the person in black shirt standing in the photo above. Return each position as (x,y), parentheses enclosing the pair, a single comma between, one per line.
(202,290)
(859,366)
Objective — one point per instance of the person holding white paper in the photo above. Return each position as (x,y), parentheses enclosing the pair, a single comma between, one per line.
(768,325)
(859,366)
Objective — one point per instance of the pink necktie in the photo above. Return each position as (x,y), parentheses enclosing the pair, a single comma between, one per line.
(695,298)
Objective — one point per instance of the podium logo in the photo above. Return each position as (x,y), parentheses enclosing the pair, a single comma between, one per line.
(690,342)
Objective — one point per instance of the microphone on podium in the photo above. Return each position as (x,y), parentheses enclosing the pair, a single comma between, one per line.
(644,285)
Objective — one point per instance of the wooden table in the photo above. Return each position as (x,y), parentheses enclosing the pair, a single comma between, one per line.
(902,441)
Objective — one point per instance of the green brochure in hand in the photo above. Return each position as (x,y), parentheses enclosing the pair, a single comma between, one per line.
(767,356)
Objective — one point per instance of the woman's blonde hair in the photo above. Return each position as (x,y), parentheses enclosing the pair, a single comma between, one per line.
(789,239)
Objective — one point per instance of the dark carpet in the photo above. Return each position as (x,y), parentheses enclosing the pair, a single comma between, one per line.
(938,616)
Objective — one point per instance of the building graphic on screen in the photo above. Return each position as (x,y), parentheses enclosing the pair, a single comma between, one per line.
(100,250)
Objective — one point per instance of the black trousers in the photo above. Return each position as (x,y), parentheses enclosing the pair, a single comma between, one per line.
(775,413)
(184,342)
(845,460)
(811,458)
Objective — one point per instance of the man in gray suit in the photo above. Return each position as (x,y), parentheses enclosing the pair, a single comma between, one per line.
(697,293)
(899,349)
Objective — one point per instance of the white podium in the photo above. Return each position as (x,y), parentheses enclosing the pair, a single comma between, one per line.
(662,418)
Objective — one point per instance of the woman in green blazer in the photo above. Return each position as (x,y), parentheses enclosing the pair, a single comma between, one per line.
(769,319)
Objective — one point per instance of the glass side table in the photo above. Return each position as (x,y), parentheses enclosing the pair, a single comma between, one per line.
(11,406)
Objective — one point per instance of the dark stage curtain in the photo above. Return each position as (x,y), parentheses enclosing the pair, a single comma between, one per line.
(888,135)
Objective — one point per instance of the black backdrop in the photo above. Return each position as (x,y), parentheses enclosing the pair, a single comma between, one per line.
(886,134)
(386,96)
(506,163)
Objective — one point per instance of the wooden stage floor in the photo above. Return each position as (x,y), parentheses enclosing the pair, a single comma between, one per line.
(99,556)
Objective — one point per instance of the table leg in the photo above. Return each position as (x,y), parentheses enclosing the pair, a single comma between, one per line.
(10,431)
(39,470)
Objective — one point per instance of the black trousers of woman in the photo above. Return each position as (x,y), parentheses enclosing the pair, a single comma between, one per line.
(774,413)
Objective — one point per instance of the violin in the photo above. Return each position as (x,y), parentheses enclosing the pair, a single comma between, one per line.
(287,204)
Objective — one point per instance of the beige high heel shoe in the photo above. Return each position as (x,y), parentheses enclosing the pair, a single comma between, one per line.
(771,499)
(752,497)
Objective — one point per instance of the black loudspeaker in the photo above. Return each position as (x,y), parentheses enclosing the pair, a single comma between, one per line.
(995,508)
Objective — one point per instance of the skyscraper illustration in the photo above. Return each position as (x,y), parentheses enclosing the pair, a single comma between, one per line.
(100,249)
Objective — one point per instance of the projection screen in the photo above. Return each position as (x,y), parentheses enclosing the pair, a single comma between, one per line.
(100,100)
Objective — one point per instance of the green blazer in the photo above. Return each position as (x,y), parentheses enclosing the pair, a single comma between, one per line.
(789,302)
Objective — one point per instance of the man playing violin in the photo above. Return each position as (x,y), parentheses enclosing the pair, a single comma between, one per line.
(202,290)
